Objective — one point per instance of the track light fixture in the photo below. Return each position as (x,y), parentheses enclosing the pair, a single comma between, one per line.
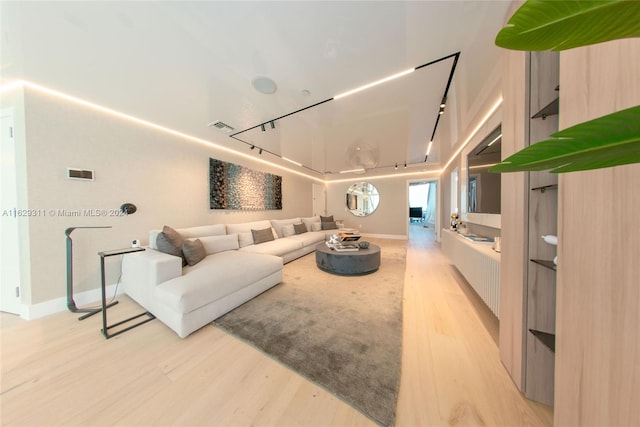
(253,147)
(428,150)
(441,107)
(260,152)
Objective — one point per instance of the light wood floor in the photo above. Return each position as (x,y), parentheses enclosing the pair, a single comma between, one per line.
(60,371)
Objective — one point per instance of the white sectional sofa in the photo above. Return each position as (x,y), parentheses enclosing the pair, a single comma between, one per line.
(234,269)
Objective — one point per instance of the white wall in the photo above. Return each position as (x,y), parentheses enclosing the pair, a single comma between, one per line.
(165,176)
(391,216)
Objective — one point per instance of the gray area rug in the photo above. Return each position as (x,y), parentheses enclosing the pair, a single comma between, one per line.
(344,333)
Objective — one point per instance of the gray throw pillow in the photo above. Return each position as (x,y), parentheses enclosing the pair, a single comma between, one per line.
(261,236)
(164,245)
(173,236)
(170,242)
(300,228)
(329,225)
(193,251)
(326,219)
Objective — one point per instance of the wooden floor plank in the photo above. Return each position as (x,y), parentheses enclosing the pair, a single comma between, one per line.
(451,372)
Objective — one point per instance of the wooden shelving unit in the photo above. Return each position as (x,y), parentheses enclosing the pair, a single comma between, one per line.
(542,220)
(545,263)
(545,338)
(551,109)
(544,188)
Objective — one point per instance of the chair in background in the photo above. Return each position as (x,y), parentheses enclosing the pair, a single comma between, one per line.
(415,214)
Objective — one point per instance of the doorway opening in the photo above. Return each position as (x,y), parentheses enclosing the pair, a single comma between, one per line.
(422,209)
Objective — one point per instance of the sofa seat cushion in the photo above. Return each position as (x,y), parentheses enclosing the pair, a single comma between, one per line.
(215,277)
(308,238)
(278,247)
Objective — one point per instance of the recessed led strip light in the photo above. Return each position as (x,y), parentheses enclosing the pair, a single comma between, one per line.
(291,161)
(359,170)
(487,116)
(376,83)
(394,175)
(23,83)
(488,165)
(497,138)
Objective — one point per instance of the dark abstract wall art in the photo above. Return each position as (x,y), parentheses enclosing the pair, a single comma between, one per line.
(237,187)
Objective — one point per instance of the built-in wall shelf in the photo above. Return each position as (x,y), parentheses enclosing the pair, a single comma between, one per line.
(542,220)
(549,340)
(551,109)
(545,263)
(544,188)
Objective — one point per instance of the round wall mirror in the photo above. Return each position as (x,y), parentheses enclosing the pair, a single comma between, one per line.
(362,199)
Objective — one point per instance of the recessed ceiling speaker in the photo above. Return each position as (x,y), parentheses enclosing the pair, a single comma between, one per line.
(128,208)
(264,85)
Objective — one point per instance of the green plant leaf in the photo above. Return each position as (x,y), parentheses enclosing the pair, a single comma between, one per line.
(611,140)
(561,25)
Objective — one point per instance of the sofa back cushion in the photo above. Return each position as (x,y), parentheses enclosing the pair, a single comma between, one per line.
(278,225)
(215,244)
(310,220)
(288,230)
(189,233)
(202,231)
(245,237)
(246,227)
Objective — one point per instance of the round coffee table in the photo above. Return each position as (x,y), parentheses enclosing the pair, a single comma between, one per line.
(362,261)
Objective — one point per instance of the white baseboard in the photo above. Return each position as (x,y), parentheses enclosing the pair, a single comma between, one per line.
(58,305)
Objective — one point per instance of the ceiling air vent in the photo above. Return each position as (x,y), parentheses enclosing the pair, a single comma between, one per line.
(222,126)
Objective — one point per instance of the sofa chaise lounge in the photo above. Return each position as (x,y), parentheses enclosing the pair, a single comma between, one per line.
(238,262)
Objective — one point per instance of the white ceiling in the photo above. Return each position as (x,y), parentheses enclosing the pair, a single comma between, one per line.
(185,64)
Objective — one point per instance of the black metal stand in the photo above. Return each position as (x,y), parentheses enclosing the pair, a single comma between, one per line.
(71,304)
(105,328)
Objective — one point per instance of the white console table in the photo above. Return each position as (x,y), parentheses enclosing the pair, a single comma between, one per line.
(478,263)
